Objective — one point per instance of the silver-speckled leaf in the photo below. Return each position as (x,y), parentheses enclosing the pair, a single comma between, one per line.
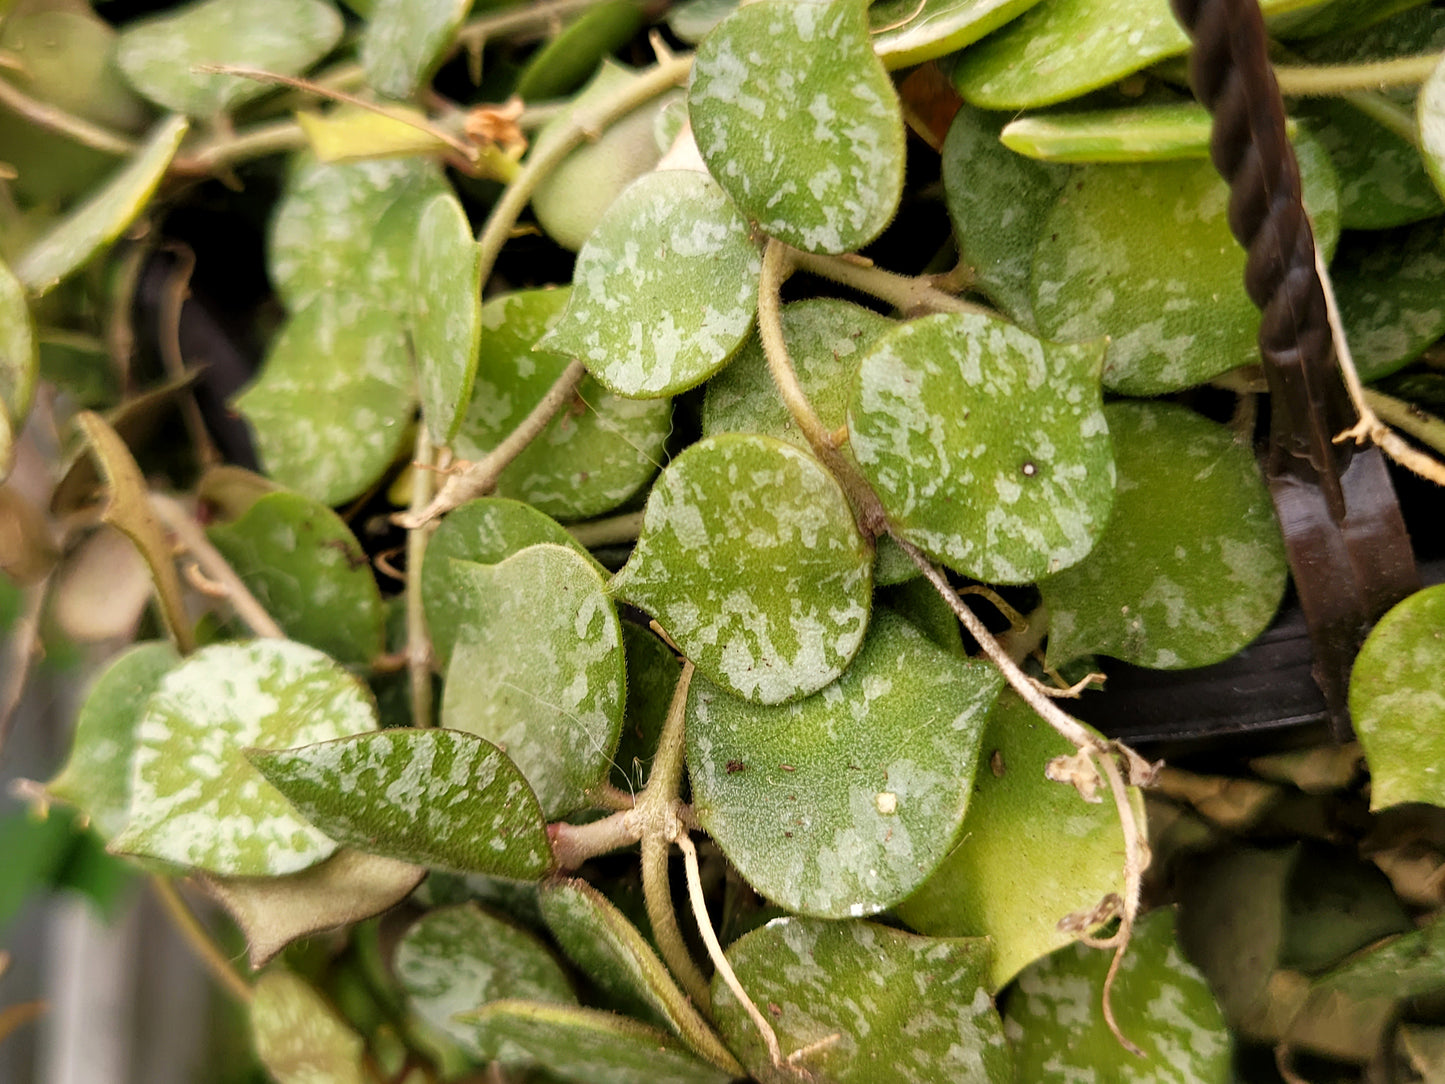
(326,236)
(299,1038)
(799,122)
(1391,297)
(825,339)
(665,289)
(331,406)
(305,567)
(750,559)
(19,354)
(1191,567)
(195,800)
(907,32)
(595,454)
(159,55)
(69,244)
(1054,1017)
(1143,254)
(455,959)
(997,201)
(593,1046)
(446,313)
(903,1008)
(483,531)
(1029,853)
(613,954)
(437,798)
(843,803)
(405,40)
(538,668)
(97,776)
(987,446)
(1397,702)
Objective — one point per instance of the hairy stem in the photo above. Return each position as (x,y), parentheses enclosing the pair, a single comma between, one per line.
(908,295)
(573,844)
(613,531)
(1424,427)
(57,120)
(418,640)
(1305,81)
(1387,114)
(199,940)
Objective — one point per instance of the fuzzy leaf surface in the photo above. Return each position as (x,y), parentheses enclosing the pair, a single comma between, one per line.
(299,1038)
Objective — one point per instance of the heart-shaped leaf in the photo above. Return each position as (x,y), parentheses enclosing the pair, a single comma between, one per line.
(69,244)
(1055,1016)
(842,803)
(455,959)
(881,1005)
(996,199)
(446,316)
(1397,703)
(348,887)
(987,447)
(19,353)
(484,531)
(750,559)
(1172,583)
(1143,254)
(307,570)
(431,797)
(1389,293)
(405,40)
(195,800)
(799,122)
(591,1046)
(906,32)
(299,1038)
(1150,133)
(159,55)
(665,288)
(538,669)
(96,778)
(614,955)
(595,454)
(1029,852)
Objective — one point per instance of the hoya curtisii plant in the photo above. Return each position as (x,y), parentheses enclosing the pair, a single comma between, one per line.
(802,696)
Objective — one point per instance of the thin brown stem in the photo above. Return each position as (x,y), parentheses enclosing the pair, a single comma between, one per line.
(199,939)
(908,295)
(173,299)
(24,648)
(418,639)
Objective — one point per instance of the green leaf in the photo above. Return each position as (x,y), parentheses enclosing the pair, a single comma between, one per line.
(904,1008)
(997,200)
(1060,49)
(1143,254)
(594,455)
(842,803)
(351,134)
(485,531)
(299,1038)
(1408,965)
(19,350)
(35,849)
(96,778)
(1388,287)
(593,1047)
(665,288)
(1383,179)
(538,669)
(1055,1018)
(693,20)
(987,447)
(750,559)
(435,798)
(70,243)
(326,236)
(348,887)
(560,66)
(1172,583)
(1397,703)
(195,800)
(446,315)
(456,959)
(405,40)
(906,32)
(799,122)
(1149,133)
(652,673)
(307,570)
(159,55)
(331,406)
(614,955)
(825,338)
(1430,117)
(1029,853)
